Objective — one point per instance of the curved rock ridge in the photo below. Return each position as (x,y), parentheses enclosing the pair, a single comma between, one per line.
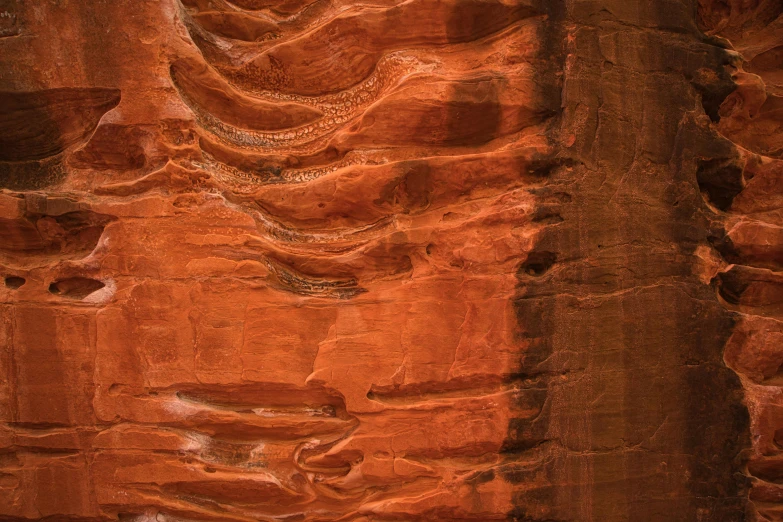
(386,260)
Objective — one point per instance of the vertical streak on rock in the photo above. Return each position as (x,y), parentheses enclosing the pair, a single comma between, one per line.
(644,421)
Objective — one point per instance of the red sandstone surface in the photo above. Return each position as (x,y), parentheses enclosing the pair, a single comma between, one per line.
(382,260)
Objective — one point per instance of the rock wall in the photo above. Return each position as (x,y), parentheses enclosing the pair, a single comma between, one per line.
(745,198)
(321,260)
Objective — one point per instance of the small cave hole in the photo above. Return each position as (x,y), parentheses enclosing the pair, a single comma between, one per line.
(546,216)
(714,93)
(731,286)
(538,263)
(14,282)
(720,181)
(75,287)
(723,244)
(546,167)
(542,169)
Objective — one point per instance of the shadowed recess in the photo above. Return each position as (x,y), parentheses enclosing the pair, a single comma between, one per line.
(36,125)
(75,287)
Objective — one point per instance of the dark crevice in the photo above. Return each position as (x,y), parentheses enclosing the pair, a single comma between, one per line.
(720,180)
(546,216)
(75,287)
(14,282)
(731,286)
(759,288)
(538,263)
(544,168)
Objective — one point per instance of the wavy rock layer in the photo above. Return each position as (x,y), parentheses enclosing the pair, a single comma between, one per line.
(329,260)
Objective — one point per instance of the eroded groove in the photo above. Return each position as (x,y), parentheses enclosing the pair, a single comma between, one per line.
(199,87)
(75,287)
(42,233)
(385,30)
(285,400)
(294,281)
(338,110)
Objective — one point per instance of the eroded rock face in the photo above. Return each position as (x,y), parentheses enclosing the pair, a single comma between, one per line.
(425,260)
(749,277)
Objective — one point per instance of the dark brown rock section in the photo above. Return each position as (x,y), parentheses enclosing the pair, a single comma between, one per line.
(36,127)
(748,228)
(643,420)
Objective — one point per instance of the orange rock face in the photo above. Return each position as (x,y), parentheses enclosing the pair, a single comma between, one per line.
(326,260)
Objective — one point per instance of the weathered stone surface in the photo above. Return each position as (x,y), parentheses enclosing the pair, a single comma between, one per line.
(382,260)
(749,278)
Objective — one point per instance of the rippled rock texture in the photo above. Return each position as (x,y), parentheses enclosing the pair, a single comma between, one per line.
(431,260)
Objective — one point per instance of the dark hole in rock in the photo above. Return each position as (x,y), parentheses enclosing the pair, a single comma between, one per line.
(713,95)
(14,282)
(546,216)
(731,286)
(725,247)
(538,263)
(778,438)
(544,168)
(75,287)
(720,180)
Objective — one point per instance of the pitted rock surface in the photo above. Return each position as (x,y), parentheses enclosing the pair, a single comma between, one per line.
(423,260)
